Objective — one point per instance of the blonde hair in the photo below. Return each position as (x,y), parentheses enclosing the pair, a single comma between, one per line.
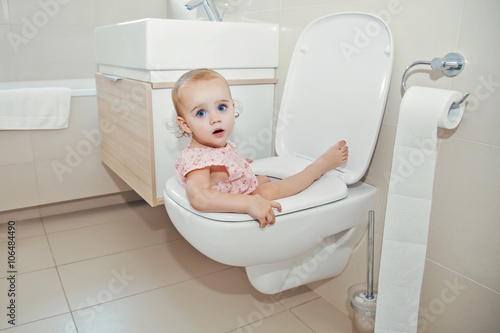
(191,76)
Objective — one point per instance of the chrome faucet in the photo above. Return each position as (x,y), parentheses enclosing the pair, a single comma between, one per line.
(209,7)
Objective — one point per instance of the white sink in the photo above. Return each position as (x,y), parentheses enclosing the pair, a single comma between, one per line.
(163,44)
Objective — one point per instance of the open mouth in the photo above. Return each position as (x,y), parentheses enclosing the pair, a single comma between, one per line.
(218,132)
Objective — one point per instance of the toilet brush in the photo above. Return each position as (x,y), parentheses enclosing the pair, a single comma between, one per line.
(371,221)
(364,301)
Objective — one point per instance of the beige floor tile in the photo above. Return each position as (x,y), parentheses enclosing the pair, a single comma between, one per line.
(296,296)
(39,295)
(32,254)
(103,279)
(58,324)
(23,229)
(85,218)
(114,237)
(218,302)
(323,317)
(281,322)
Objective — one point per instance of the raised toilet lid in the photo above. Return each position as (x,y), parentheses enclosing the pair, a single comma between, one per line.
(336,89)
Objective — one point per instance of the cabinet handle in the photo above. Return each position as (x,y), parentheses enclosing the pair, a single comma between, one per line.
(113,78)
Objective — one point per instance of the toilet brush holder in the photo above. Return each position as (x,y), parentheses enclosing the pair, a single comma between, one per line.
(364,309)
(363,296)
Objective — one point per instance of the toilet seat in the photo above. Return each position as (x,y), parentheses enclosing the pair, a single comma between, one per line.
(327,189)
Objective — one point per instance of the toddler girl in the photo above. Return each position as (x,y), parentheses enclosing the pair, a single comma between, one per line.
(216,177)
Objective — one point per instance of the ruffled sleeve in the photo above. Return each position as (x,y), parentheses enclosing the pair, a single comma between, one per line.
(241,178)
(197,158)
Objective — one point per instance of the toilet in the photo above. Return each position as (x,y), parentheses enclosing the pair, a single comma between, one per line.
(336,89)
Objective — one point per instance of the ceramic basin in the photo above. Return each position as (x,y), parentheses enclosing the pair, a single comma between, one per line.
(164,44)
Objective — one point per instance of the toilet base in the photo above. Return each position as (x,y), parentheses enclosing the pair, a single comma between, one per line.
(327,260)
(302,247)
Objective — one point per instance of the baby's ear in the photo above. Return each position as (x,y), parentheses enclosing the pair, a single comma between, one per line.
(183,125)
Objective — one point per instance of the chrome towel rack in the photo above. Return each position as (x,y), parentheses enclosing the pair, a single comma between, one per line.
(451,64)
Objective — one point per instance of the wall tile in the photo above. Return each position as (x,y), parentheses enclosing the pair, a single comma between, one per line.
(268,16)
(88,203)
(42,13)
(116,11)
(415,40)
(81,136)
(20,9)
(378,173)
(15,147)
(84,177)
(464,224)
(335,290)
(245,6)
(451,303)
(19,187)
(310,3)
(177,11)
(4,12)
(7,56)
(479,25)
(56,52)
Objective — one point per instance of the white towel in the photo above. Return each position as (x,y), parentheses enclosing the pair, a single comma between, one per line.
(34,108)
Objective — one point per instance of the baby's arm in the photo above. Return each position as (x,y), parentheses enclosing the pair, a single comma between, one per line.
(206,199)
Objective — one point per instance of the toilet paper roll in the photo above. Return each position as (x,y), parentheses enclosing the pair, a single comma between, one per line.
(409,203)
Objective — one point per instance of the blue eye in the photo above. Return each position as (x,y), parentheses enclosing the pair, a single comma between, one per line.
(201,113)
(222,107)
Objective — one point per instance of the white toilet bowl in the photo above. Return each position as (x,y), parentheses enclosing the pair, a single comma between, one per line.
(336,89)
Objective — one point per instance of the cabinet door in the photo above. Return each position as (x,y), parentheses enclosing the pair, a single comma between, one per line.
(125,123)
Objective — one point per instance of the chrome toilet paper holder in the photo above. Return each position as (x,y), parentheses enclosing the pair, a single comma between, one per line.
(451,64)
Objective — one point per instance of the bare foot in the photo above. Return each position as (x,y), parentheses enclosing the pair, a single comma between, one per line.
(334,157)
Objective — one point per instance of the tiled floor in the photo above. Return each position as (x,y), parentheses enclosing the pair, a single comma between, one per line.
(126,269)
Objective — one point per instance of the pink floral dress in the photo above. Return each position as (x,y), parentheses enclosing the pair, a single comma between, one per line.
(241,179)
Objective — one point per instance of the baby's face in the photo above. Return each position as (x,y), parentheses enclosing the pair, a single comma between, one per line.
(207,112)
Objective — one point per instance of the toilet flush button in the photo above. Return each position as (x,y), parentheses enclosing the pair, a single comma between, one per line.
(387,50)
(303,48)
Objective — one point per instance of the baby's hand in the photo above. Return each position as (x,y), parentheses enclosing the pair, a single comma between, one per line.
(262,210)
